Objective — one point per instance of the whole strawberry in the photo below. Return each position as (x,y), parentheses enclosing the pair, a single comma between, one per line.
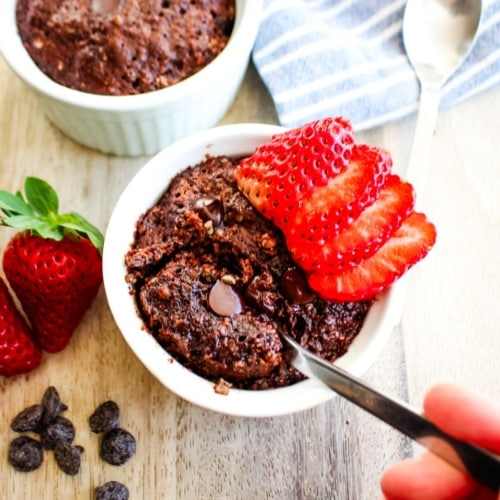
(18,350)
(53,264)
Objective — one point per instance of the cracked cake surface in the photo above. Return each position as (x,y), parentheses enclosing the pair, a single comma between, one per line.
(215,284)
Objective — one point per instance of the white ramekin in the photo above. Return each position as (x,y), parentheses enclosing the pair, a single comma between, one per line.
(143,192)
(146,123)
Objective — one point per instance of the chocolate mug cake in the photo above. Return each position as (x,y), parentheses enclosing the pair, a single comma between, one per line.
(215,284)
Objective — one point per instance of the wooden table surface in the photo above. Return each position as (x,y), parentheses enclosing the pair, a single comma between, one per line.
(449,331)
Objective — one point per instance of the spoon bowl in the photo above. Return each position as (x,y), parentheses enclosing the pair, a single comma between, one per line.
(437,35)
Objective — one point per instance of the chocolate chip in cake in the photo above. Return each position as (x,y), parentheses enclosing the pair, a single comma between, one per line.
(112,490)
(294,287)
(25,453)
(117,446)
(59,430)
(68,457)
(29,419)
(105,417)
(210,209)
(225,300)
(259,293)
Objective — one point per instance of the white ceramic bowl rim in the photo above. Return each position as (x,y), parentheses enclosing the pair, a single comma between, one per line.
(141,193)
(19,60)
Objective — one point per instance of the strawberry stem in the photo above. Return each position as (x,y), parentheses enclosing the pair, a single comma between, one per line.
(38,212)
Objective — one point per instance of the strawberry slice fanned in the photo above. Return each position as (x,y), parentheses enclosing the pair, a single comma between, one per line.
(366,234)
(347,221)
(409,244)
(332,208)
(283,172)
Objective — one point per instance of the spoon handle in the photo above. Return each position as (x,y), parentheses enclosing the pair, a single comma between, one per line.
(480,464)
(419,159)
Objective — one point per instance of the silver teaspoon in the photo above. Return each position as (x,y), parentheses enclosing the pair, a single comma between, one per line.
(437,35)
(478,463)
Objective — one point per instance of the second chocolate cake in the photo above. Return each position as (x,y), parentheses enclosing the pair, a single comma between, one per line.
(123,47)
(215,285)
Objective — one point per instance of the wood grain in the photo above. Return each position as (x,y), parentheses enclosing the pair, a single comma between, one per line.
(335,451)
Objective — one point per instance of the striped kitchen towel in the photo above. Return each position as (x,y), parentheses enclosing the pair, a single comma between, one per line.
(346,57)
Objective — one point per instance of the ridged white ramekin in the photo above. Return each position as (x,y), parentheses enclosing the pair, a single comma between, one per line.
(146,123)
(143,192)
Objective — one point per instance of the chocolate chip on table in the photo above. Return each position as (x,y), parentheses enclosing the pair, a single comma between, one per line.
(225,300)
(68,457)
(294,287)
(52,404)
(57,433)
(28,420)
(25,453)
(59,430)
(112,490)
(105,417)
(117,446)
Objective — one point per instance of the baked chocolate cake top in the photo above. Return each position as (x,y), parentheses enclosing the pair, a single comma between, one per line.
(215,284)
(121,47)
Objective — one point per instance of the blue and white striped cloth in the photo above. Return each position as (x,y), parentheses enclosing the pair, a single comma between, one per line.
(346,57)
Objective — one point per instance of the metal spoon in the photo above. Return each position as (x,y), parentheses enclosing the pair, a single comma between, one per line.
(480,464)
(437,35)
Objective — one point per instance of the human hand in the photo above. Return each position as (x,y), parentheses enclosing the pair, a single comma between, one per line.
(465,416)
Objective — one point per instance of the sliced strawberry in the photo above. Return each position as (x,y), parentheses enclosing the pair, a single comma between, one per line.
(332,207)
(18,351)
(347,221)
(374,226)
(409,244)
(287,169)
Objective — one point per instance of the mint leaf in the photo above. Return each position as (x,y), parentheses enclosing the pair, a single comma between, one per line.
(41,196)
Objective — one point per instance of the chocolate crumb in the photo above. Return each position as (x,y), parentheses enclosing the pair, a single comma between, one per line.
(222,387)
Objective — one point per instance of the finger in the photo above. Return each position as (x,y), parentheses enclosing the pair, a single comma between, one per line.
(465,415)
(431,478)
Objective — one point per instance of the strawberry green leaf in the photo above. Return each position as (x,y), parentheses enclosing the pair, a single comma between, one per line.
(41,227)
(41,196)
(39,214)
(76,222)
(14,204)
